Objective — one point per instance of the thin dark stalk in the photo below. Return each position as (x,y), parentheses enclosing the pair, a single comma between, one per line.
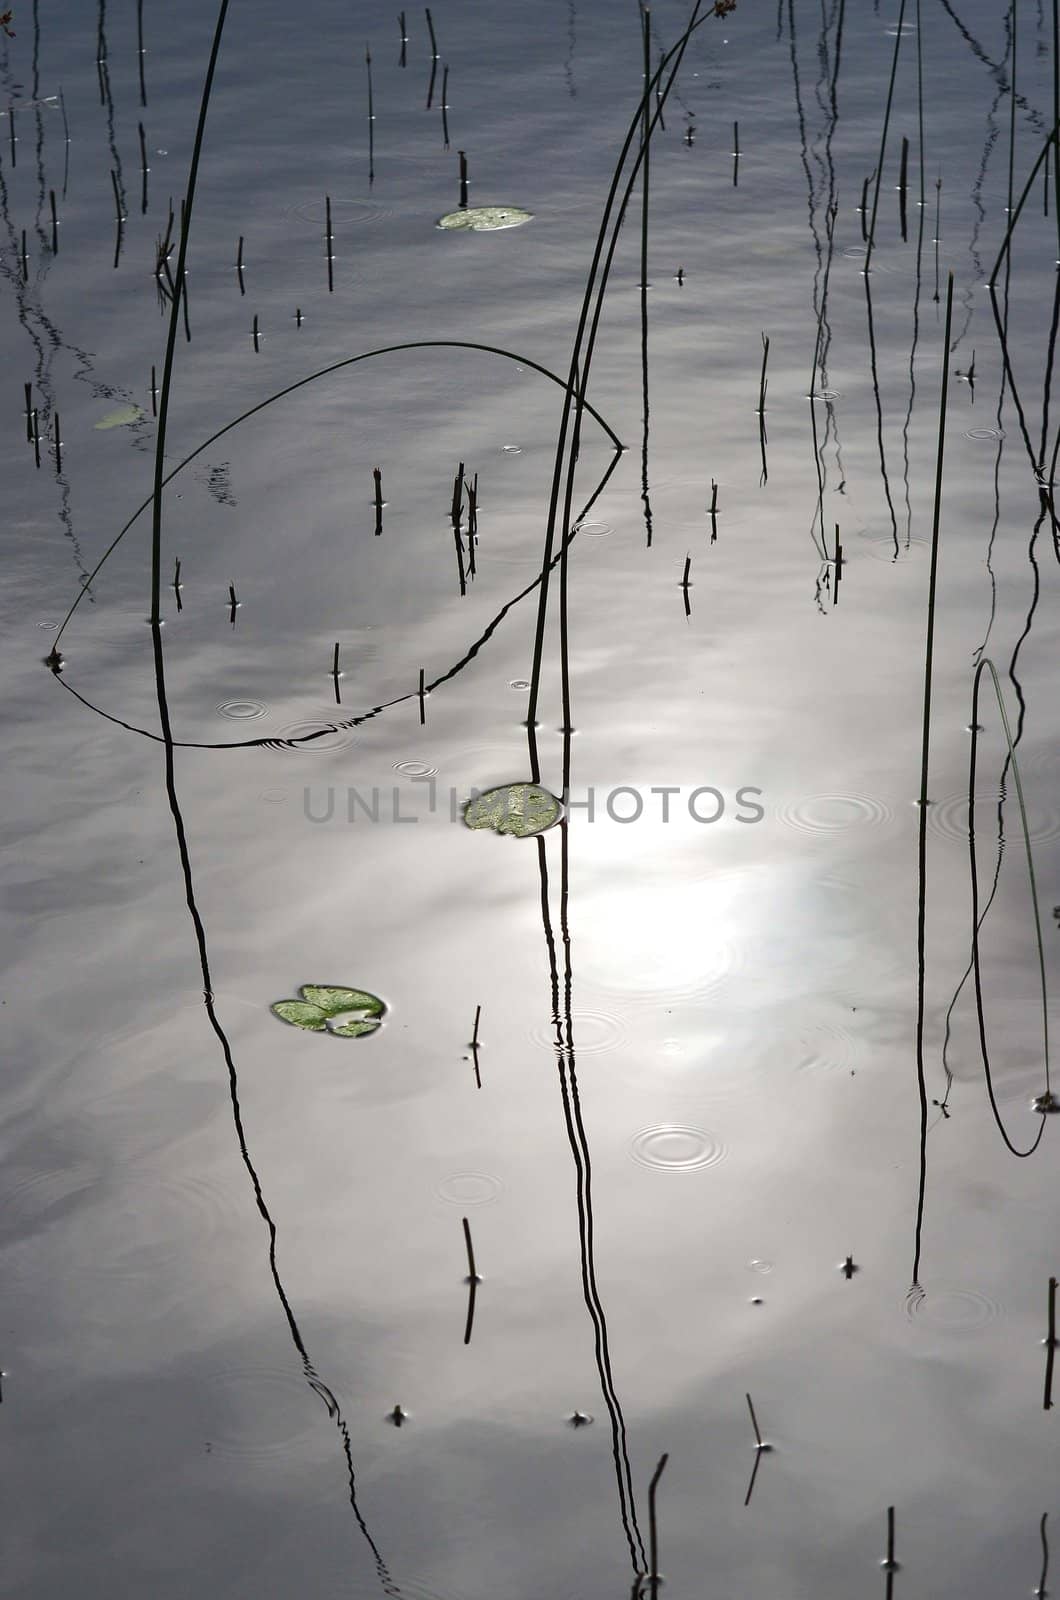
(377,478)
(938,224)
(890,1564)
(154,394)
(58,448)
(473,1281)
(735,155)
(653,1529)
(143,170)
(646,159)
(445,106)
(36,439)
(1056,117)
(879,413)
(330,243)
(430,30)
(423,705)
(473,1276)
(371,119)
(883,135)
(66,136)
(472,523)
(575,400)
(239,266)
(1050,1346)
(140,52)
(29,412)
(463,179)
(120,223)
(763,382)
(921,928)
(1041,1589)
(25,259)
(55,223)
(167,366)
(578,376)
(255,334)
(474,1047)
(903,190)
(754,1421)
(404,39)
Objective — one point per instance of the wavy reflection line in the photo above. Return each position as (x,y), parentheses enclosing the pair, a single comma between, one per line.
(1044,482)
(313,1378)
(827,100)
(925,752)
(30,315)
(564,471)
(1002,794)
(987,664)
(300,383)
(919,276)
(563,1025)
(995,68)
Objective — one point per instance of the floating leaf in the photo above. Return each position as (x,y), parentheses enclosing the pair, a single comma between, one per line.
(120,418)
(486,219)
(326,1008)
(521,809)
(300,1014)
(333,1001)
(354,1028)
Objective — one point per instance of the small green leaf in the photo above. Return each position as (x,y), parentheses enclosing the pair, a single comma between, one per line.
(300,1014)
(352,1029)
(485,219)
(521,809)
(332,1001)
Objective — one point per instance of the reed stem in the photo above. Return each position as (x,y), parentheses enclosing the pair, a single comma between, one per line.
(653,1526)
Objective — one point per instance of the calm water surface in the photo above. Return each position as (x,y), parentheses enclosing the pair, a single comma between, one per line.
(230,1248)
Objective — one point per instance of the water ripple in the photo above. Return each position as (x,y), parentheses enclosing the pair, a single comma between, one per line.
(834,813)
(593,1031)
(469,1189)
(951,1311)
(675,1148)
(949,817)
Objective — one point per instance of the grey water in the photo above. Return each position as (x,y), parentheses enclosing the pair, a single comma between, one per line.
(663,1057)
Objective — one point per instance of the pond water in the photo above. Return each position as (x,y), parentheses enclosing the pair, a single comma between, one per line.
(691,1081)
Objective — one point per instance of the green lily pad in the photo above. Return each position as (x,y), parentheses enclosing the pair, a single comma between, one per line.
(486,219)
(120,418)
(520,809)
(347,1013)
(300,1014)
(334,1000)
